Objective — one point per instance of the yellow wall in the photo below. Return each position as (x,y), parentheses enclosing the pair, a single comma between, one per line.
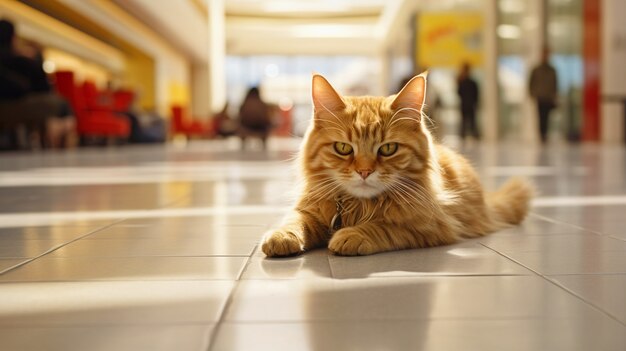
(83,70)
(139,76)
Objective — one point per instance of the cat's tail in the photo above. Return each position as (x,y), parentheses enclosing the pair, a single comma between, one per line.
(509,205)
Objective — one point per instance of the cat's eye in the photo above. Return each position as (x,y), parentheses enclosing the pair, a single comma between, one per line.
(388,149)
(343,148)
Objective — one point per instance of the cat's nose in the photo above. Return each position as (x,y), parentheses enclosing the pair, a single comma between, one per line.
(364,173)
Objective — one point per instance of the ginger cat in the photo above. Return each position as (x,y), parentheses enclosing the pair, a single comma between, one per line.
(374,181)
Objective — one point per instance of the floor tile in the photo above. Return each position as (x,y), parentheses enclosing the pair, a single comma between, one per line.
(112,303)
(226,219)
(104,338)
(274,189)
(605,291)
(404,298)
(435,335)
(177,230)
(597,262)
(26,248)
(619,236)
(89,197)
(603,227)
(127,268)
(535,226)
(6,263)
(461,259)
(307,266)
(54,233)
(172,246)
(574,244)
(582,214)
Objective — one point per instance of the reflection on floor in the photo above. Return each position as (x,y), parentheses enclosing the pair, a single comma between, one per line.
(155,248)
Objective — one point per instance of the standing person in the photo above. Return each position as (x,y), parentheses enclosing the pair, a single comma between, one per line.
(468,92)
(543,88)
(254,117)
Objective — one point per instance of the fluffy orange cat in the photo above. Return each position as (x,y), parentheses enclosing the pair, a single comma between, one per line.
(374,181)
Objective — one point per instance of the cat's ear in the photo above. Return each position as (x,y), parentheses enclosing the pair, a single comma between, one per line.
(325,98)
(412,96)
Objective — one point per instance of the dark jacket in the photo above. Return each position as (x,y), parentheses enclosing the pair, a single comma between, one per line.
(20,75)
(543,83)
(255,114)
(468,92)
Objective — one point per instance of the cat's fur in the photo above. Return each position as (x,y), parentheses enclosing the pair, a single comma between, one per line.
(423,195)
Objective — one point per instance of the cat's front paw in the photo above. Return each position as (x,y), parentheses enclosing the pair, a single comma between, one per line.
(281,243)
(350,242)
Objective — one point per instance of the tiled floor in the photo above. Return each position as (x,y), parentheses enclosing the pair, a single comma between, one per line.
(155,248)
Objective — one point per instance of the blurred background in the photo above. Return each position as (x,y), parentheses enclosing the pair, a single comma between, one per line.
(138,71)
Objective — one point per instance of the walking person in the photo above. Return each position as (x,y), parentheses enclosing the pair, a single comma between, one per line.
(543,88)
(469,94)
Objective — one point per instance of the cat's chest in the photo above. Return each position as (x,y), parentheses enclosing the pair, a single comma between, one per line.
(340,214)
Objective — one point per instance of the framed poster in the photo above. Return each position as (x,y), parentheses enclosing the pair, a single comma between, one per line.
(449,39)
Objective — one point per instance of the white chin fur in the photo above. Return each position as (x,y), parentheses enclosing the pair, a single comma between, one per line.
(363,190)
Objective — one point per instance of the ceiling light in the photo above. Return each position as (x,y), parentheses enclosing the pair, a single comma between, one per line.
(304,7)
(509,31)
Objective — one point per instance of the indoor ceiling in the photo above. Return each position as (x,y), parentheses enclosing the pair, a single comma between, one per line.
(305,9)
(276,27)
(251,27)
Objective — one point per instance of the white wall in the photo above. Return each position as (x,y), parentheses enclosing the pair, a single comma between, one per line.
(171,66)
(200,91)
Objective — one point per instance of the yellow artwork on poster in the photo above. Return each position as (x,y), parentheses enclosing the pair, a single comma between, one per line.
(449,39)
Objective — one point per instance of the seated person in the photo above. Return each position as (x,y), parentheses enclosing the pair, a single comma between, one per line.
(255,117)
(26,97)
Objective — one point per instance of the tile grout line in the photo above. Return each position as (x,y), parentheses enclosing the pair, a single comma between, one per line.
(229,300)
(616,238)
(558,285)
(60,246)
(558,221)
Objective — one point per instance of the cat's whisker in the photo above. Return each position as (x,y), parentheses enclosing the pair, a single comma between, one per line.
(332,114)
(334,128)
(419,198)
(427,202)
(391,120)
(401,193)
(399,197)
(402,119)
(424,200)
(333,122)
(324,189)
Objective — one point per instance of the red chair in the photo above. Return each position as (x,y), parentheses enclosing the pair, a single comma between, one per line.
(182,124)
(92,118)
(123,100)
(284,125)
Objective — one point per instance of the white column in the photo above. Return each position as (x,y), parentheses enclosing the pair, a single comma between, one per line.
(613,75)
(384,73)
(489,90)
(217,55)
(200,91)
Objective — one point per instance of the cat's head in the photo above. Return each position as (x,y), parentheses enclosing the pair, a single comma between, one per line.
(366,146)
